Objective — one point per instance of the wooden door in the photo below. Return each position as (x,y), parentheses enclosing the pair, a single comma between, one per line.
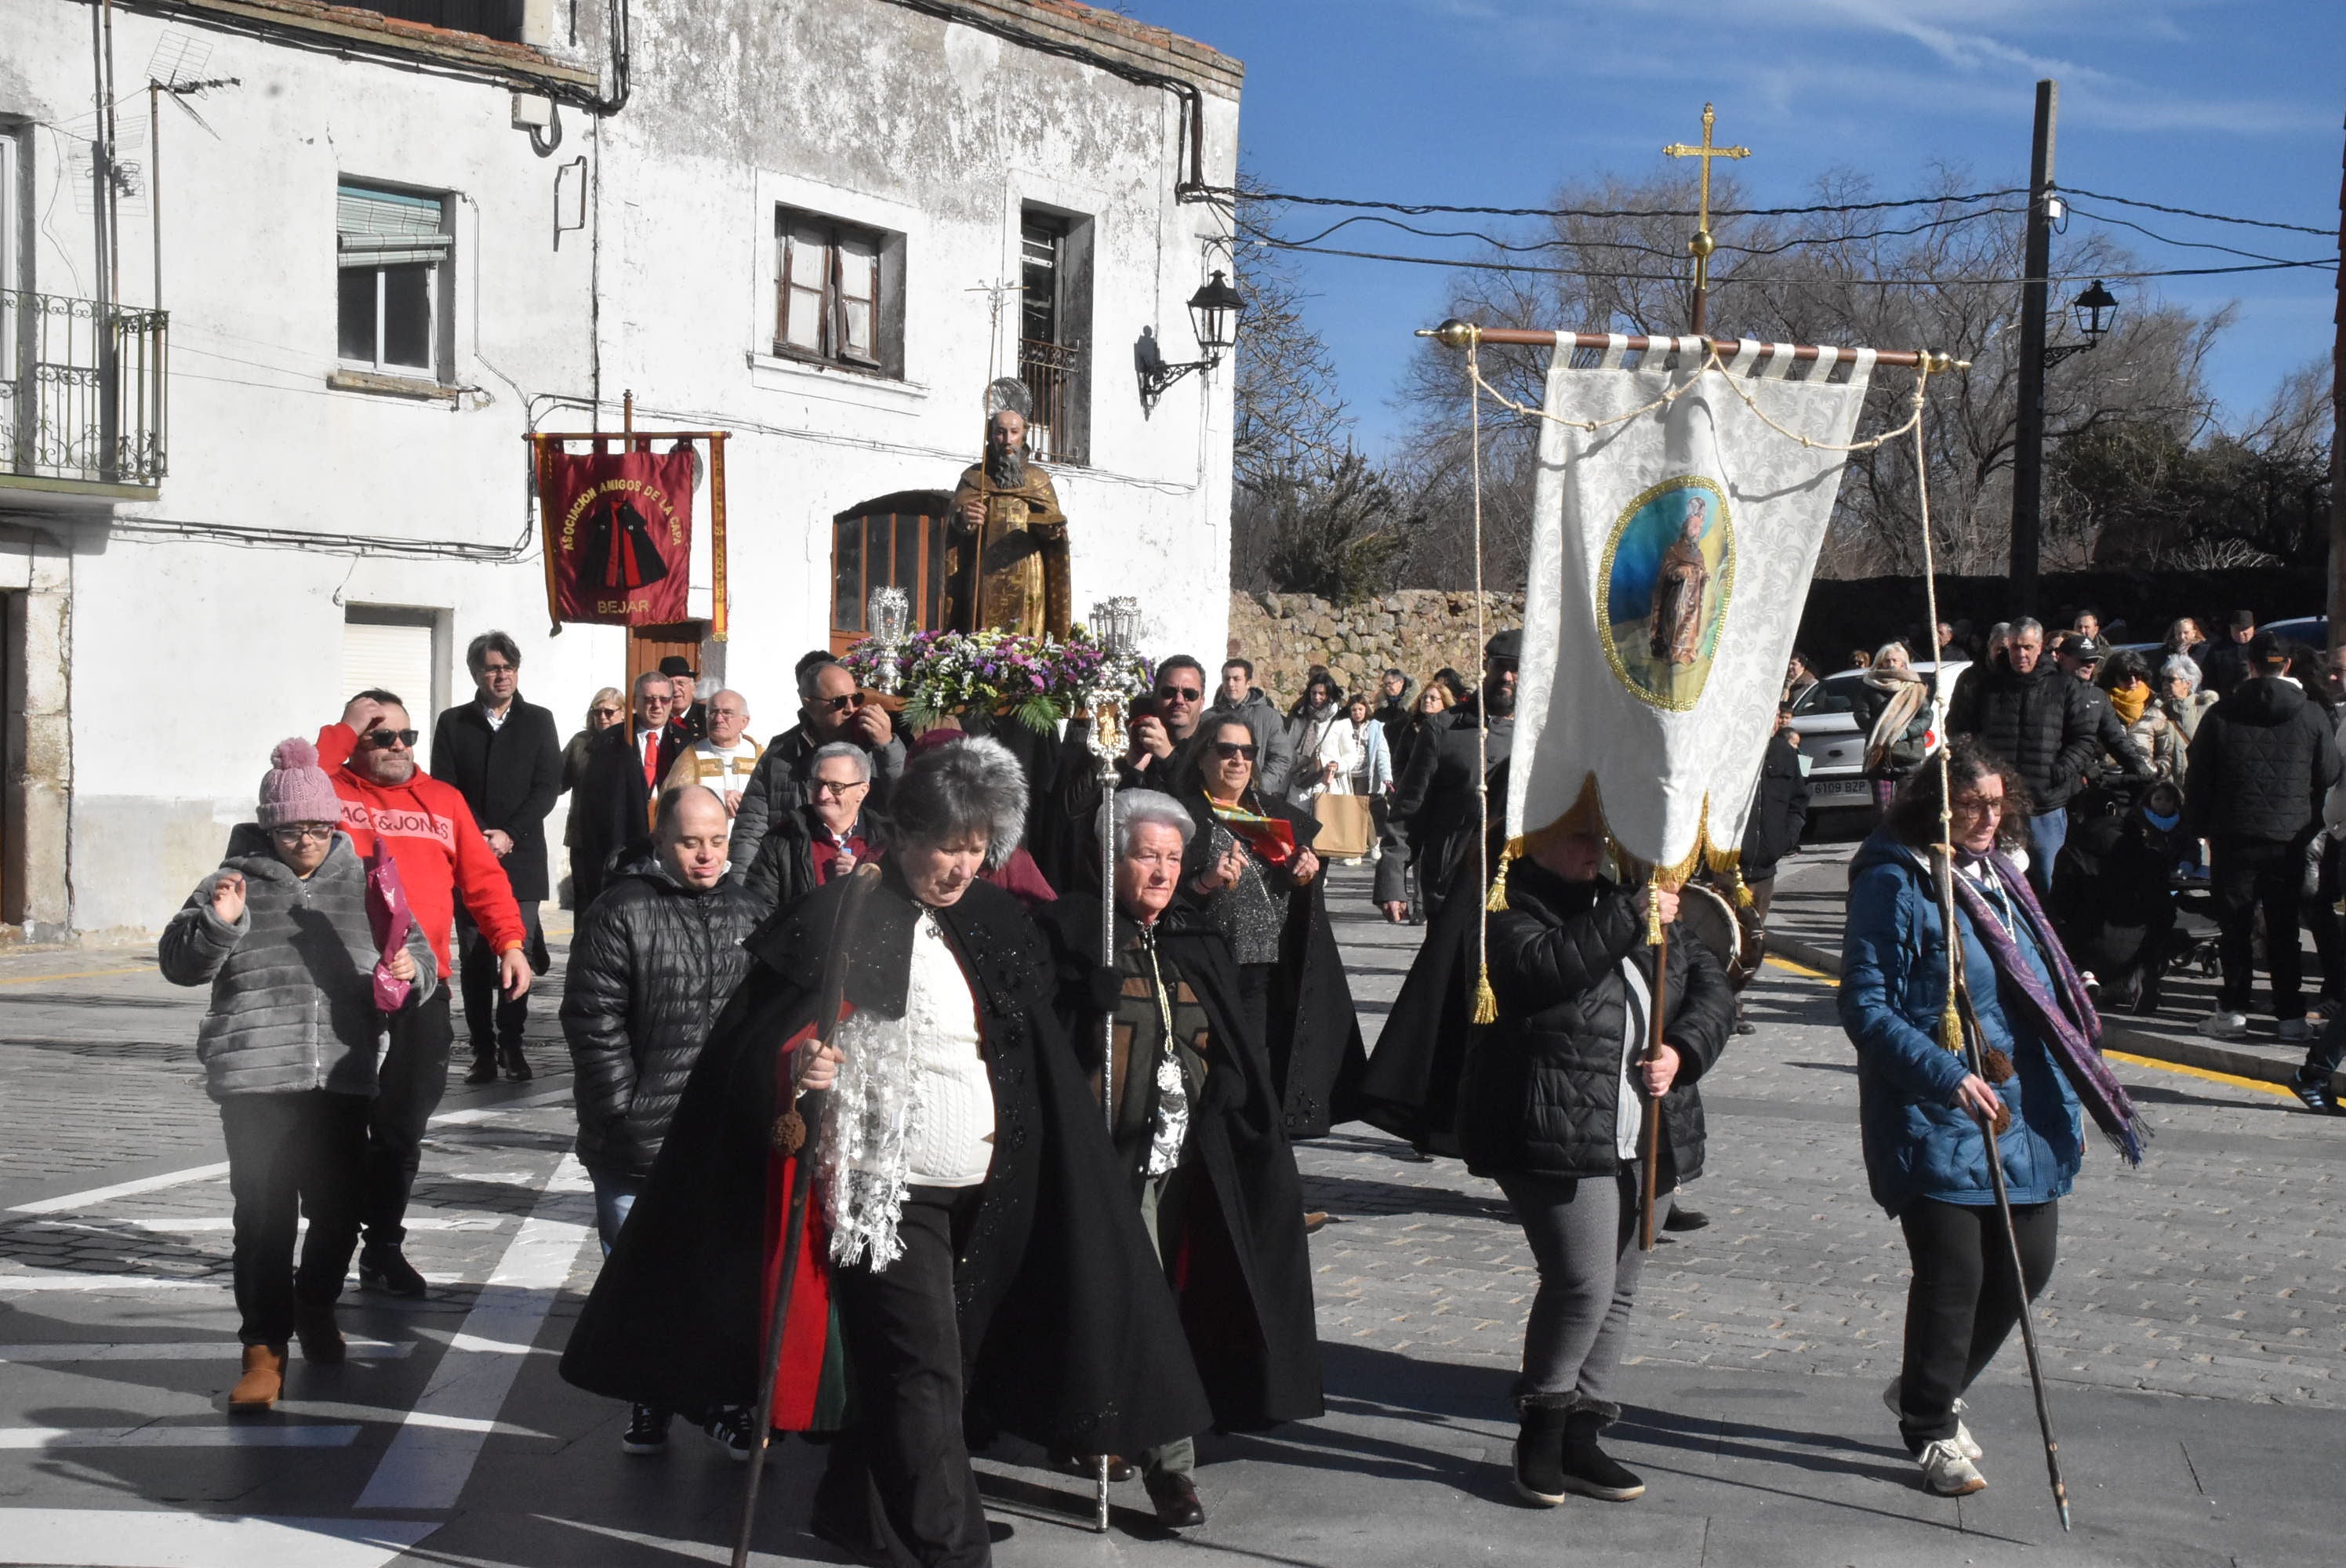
(646,645)
(896,540)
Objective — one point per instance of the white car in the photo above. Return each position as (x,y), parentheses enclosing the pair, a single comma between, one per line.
(1825,718)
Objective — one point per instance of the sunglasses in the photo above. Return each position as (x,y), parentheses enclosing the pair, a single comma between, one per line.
(607,713)
(838,704)
(1228,750)
(384,740)
(1180,694)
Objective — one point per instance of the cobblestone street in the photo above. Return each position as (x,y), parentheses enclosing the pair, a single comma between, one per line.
(2195,1332)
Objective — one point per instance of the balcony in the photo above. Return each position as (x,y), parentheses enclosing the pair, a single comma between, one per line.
(1057,431)
(81,397)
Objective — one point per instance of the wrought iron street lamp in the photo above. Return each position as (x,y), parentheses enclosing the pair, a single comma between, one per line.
(2096,311)
(1214,313)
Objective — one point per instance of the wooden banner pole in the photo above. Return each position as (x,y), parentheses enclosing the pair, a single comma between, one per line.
(1456,334)
(717,592)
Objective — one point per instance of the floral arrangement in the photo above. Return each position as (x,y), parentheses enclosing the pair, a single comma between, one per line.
(1036,680)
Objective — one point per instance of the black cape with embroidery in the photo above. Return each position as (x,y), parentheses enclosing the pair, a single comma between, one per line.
(1316,1056)
(1243,1267)
(1076,1343)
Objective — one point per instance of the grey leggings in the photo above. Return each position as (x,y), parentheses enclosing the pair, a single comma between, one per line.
(1584,1237)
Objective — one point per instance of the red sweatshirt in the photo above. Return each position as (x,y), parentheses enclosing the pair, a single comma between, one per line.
(435,841)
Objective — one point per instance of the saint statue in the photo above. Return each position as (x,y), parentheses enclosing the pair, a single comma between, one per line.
(1007,567)
(1678,587)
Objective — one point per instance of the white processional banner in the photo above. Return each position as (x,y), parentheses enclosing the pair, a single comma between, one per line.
(1670,560)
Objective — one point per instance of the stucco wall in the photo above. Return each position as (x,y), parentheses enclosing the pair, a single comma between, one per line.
(1418,630)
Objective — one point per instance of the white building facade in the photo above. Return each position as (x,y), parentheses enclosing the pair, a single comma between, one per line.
(275,328)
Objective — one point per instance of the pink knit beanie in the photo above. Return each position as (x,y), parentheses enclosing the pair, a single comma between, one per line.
(295,789)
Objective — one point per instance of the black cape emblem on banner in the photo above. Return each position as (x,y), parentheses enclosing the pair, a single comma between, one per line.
(621,541)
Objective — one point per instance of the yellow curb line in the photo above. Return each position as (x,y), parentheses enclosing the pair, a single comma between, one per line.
(2208,1073)
(2128,1057)
(77,974)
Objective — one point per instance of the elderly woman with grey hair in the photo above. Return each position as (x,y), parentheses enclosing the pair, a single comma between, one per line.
(2181,698)
(967,1224)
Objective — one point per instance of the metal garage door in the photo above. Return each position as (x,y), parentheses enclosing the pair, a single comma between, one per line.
(391,649)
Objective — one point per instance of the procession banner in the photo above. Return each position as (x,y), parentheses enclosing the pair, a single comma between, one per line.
(618,529)
(1670,558)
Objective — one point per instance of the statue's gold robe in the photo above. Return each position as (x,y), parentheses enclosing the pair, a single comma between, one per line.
(1019,560)
(1675,628)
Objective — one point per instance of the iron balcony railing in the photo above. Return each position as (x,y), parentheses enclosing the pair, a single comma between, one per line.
(81,390)
(1054,376)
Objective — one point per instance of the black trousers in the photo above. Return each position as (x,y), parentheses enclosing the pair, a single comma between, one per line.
(491,1021)
(899,1481)
(414,1076)
(2248,874)
(289,1154)
(1964,1301)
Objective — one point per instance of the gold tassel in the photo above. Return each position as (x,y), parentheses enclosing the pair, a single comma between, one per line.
(1486,1002)
(1497,902)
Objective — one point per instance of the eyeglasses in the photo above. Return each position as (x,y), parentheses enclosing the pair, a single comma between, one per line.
(1180,694)
(834,789)
(384,740)
(838,704)
(499,668)
(1228,751)
(1978,806)
(303,833)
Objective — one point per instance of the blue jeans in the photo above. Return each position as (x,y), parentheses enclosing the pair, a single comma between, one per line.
(615,1195)
(2047,831)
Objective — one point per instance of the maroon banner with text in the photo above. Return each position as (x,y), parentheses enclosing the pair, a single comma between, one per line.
(619,532)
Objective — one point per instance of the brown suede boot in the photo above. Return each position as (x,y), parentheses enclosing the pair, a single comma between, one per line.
(263,1380)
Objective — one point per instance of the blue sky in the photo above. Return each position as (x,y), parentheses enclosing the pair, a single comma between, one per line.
(2216,105)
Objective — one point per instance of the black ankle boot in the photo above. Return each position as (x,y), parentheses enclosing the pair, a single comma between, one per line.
(484,1065)
(1589,1470)
(515,1064)
(1539,1453)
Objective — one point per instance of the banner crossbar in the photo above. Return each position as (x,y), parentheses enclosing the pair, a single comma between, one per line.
(1456,334)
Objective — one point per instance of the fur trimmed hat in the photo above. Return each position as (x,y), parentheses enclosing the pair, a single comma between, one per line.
(295,789)
(969,785)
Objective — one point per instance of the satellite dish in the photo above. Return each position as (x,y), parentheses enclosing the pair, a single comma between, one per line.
(1009,395)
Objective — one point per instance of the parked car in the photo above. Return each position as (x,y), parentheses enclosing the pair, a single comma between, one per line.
(1825,716)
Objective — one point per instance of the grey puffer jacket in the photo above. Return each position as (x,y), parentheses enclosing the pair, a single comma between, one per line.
(654,963)
(292,980)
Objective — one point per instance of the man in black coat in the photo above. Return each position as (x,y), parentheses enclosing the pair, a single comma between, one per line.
(2262,762)
(654,962)
(1198,1133)
(2224,662)
(626,765)
(2052,726)
(504,756)
(1438,797)
(831,707)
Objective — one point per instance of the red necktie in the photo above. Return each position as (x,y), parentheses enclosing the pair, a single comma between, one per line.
(651,758)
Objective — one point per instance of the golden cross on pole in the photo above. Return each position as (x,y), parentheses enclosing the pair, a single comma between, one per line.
(1701,245)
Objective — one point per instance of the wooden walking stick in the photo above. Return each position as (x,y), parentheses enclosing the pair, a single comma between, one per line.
(1974,1055)
(1659,938)
(807,1131)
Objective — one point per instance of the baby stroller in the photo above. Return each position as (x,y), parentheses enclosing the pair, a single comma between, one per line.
(2114,893)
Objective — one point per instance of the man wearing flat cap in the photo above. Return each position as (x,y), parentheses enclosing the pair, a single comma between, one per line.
(1438,795)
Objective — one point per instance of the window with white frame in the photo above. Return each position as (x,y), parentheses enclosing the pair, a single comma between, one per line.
(393,250)
(838,292)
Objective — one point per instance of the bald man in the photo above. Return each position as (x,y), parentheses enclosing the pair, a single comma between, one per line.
(724,759)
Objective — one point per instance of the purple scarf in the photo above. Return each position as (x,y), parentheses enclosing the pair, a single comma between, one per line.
(2064,1016)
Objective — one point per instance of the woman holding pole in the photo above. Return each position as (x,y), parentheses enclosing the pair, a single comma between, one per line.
(2014,1045)
(1551,1100)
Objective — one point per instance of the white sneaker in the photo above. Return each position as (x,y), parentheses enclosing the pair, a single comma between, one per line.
(2295,1030)
(1947,1472)
(1963,1439)
(2222,1025)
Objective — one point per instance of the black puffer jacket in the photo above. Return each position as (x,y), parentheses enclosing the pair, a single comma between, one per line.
(1779,811)
(2051,726)
(652,967)
(1539,1089)
(2261,764)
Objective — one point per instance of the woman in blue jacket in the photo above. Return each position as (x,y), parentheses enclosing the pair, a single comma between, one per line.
(1921,1107)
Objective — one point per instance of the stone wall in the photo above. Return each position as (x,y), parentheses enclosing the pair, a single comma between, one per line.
(1419,630)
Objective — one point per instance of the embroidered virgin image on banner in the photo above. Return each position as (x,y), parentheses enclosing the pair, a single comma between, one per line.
(1664,587)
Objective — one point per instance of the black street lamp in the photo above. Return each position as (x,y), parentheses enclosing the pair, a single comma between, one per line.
(1214,313)
(2096,311)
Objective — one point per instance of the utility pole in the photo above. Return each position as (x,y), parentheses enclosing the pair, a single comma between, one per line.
(2028,441)
(2338,434)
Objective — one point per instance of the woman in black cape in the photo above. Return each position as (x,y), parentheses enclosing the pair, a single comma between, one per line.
(1272,906)
(1028,1302)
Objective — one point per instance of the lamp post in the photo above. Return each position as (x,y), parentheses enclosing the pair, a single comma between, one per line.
(1214,313)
